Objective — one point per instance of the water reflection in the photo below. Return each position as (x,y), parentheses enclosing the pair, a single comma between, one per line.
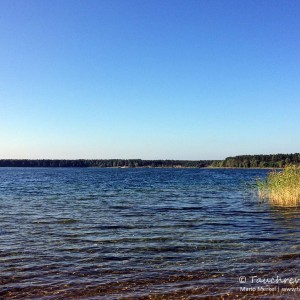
(286,219)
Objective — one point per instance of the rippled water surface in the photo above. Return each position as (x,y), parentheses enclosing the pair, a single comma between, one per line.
(140,234)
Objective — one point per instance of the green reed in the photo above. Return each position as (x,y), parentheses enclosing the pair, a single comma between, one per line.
(281,187)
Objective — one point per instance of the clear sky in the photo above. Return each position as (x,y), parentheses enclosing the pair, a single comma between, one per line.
(149,79)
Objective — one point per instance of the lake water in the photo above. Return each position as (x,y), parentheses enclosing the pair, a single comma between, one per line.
(141,234)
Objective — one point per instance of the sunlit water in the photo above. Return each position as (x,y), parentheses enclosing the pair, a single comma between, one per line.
(140,234)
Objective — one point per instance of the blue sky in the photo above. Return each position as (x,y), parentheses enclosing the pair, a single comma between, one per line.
(149,79)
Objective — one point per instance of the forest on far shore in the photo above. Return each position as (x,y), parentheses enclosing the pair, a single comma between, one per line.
(105,163)
(258,161)
(241,161)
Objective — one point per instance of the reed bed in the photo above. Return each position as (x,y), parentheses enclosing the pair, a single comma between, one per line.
(281,187)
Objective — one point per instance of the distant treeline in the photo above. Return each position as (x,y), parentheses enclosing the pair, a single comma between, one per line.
(241,161)
(258,161)
(105,163)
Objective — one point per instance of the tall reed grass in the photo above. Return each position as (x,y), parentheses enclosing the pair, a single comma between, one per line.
(281,187)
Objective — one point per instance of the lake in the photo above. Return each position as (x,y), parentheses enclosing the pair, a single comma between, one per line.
(75,233)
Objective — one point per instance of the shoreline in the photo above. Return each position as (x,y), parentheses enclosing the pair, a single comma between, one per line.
(145,167)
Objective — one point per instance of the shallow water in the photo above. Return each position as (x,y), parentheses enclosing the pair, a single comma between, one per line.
(141,234)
